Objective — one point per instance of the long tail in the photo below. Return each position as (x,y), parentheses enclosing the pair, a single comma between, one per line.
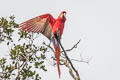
(57,54)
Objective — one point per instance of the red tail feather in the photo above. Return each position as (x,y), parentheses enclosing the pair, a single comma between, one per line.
(57,54)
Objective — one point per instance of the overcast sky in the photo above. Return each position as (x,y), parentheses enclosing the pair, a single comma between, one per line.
(95,22)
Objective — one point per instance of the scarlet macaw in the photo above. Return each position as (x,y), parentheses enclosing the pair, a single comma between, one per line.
(50,27)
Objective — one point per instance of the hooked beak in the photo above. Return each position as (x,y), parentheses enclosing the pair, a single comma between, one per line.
(64,15)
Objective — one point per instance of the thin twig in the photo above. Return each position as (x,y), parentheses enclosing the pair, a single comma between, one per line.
(75,46)
(80,61)
(49,47)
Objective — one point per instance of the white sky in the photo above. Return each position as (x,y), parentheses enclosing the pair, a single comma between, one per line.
(96,22)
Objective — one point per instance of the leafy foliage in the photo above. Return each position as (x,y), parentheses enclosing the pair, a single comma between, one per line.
(25,58)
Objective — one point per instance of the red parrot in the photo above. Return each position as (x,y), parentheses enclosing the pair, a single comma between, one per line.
(50,27)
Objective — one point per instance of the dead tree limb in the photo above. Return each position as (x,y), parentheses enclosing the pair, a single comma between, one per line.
(78,77)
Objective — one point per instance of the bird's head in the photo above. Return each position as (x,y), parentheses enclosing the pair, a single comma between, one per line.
(62,16)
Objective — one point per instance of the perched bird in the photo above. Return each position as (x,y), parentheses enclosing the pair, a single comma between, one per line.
(50,27)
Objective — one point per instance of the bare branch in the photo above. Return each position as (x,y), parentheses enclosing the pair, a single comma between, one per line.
(74,46)
(78,78)
(80,61)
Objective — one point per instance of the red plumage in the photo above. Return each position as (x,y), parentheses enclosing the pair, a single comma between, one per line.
(46,25)
(57,51)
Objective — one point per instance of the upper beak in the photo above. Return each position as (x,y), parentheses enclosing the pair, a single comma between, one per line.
(64,14)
